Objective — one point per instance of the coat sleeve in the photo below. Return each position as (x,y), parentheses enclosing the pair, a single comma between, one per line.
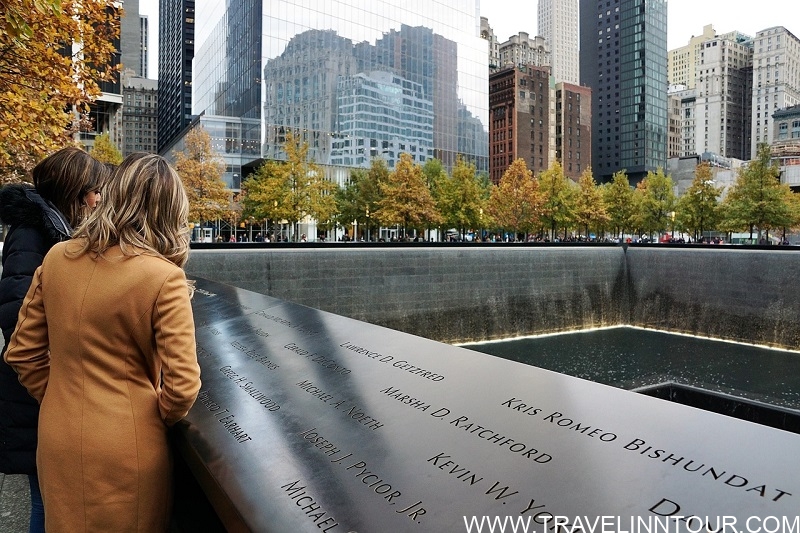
(175,346)
(28,350)
(23,252)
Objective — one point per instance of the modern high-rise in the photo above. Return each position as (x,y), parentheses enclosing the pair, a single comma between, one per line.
(353,80)
(776,80)
(130,36)
(558,25)
(624,60)
(143,39)
(176,24)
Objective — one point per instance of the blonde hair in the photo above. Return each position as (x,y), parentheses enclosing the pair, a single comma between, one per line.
(144,207)
(65,177)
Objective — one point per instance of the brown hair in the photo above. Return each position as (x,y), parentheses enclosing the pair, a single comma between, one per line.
(144,207)
(64,178)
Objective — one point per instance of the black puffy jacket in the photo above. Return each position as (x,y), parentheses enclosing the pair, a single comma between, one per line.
(35,226)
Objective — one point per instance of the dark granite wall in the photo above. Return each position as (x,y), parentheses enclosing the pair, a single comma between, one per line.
(745,294)
(448,294)
(459,294)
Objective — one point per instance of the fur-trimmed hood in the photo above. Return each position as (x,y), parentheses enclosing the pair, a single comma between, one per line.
(21,204)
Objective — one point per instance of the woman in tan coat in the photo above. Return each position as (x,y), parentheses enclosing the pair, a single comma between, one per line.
(105,343)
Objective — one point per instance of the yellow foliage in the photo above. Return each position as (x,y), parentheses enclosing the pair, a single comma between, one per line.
(47,79)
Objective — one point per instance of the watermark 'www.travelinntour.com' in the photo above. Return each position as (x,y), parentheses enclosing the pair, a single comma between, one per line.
(548,523)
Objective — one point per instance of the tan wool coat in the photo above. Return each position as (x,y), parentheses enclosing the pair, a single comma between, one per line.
(106,345)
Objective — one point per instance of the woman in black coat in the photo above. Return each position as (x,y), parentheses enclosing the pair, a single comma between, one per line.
(66,186)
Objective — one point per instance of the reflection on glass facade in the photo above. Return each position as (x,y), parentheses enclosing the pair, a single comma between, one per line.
(356,79)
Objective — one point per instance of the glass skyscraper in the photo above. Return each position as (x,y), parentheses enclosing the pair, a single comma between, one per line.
(624,61)
(355,79)
(176,25)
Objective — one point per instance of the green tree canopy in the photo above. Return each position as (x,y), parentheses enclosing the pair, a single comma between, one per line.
(697,210)
(656,202)
(405,198)
(105,151)
(515,203)
(303,190)
(266,193)
(358,199)
(460,198)
(558,199)
(620,202)
(590,208)
(757,201)
(201,170)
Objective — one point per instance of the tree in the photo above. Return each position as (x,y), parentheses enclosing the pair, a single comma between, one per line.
(405,198)
(461,198)
(358,199)
(590,208)
(620,202)
(47,79)
(656,202)
(515,203)
(558,193)
(294,189)
(757,200)
(266,193)
(697,210)
(308,192)
(201,170)
(105,151)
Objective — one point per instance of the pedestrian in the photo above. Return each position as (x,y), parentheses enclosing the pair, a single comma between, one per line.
(111,357)
(66,187)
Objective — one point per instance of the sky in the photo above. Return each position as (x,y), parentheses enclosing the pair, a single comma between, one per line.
(685,18)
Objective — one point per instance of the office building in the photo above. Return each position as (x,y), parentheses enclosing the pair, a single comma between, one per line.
(144,36)
(521,50)
(624,61)
(776,80)
(130,36)
(139,114)
(722,106)
(683,102)
(785,148)
(558,25)
(493,43)
(520,119)
(105,113)
(682,61)
(573,128)
(674,136)
(175,52)
(353,82)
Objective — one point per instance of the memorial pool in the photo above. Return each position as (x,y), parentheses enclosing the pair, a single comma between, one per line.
(635,358)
